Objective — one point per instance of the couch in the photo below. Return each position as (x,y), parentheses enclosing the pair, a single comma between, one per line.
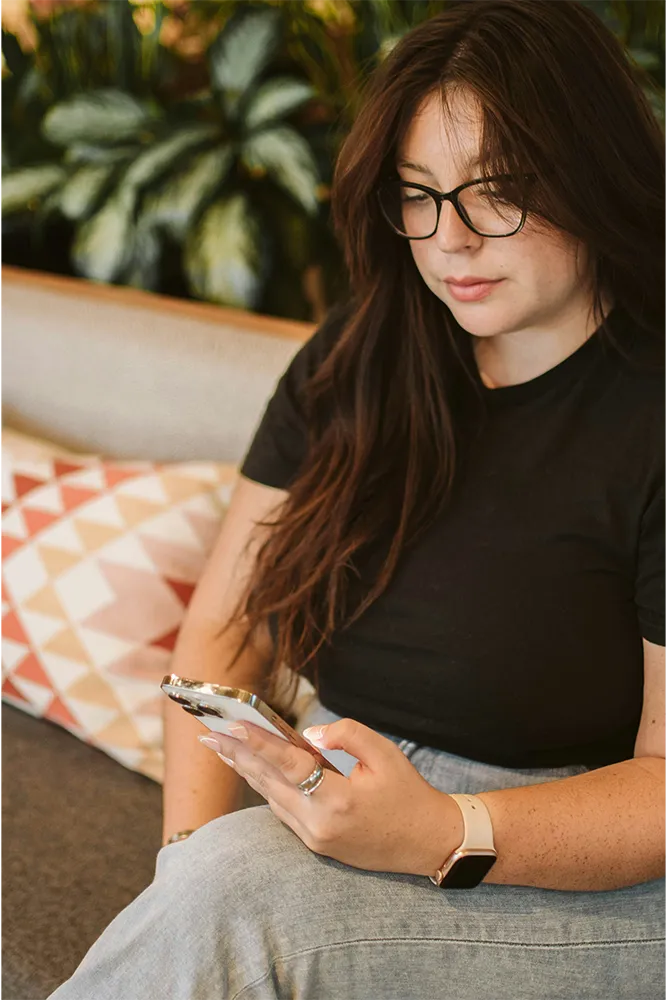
(128,374)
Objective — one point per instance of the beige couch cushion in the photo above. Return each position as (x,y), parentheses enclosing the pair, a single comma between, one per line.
(129,374)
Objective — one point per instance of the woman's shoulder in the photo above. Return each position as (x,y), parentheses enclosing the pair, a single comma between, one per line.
(636,401)
(639,360)
(643,342)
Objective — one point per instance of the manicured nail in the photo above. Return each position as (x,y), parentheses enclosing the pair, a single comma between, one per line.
(238,731)
(315,735)
(210,742)
(227,760)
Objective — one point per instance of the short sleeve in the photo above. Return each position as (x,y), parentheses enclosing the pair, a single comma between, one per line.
(650,581)
(279,444)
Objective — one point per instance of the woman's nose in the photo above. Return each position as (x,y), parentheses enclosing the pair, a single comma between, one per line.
(452,232)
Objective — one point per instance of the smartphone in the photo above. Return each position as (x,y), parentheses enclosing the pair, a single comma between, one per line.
(217,706)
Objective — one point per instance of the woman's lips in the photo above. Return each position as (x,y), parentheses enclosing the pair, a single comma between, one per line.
(471,293)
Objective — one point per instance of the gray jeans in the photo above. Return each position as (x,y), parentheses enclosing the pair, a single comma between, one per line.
(243,910)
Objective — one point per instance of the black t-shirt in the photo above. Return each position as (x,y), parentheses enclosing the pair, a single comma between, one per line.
(512,630)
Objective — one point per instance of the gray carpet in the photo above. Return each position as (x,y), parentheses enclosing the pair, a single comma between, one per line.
(80,835)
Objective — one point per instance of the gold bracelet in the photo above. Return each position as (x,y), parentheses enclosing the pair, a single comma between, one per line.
(182,835)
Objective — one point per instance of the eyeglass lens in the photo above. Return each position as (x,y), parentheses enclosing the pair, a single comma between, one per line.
(414,213)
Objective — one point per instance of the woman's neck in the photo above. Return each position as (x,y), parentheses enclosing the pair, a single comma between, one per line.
(521,355)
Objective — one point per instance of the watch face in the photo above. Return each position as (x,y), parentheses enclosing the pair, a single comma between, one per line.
(468,871)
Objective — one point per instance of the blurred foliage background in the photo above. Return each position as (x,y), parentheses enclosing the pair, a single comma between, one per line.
(187,146)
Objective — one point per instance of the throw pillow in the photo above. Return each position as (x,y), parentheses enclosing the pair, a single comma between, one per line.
(100,559)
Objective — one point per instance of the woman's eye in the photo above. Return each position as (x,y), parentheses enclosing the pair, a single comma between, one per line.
(415,197)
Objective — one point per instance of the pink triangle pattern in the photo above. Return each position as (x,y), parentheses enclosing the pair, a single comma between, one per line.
(144,663)
(143,609)
(205,528)
(174,559)
(126,616)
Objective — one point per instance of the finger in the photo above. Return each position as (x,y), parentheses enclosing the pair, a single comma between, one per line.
(293,763)
(370,748)
(260,774)
(259,788)
(254,768)
(307,812)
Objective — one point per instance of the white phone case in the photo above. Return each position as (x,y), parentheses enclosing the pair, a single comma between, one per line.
(234,705)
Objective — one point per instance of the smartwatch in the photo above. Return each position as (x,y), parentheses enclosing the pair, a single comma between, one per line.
(468,864)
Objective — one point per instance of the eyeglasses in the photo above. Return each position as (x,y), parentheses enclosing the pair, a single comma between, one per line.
(493,207)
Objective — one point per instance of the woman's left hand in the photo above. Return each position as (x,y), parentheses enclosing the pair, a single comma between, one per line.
(383,817)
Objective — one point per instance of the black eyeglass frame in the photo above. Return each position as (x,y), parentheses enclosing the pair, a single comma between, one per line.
(452,196)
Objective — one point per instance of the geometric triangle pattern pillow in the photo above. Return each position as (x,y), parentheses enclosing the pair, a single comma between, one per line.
(99,561)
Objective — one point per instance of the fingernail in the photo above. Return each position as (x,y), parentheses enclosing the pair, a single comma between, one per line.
(238,731)
(314,734)
(227,760)
(210,742)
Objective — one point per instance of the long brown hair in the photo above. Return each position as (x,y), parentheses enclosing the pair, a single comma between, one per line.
(384,408)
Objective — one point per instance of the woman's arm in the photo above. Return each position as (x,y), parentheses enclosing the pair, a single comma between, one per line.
(600,830)
(196,788)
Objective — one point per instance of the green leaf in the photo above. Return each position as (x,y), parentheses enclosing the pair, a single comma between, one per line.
(386,45)
(294,233)
(29,87)
(81,191)
(22,188)
(47,207)
(286,156)
(241,52)
(124,42)
(158,157)
(144,269)
(223,259)
(179,199)
(81,152)
(644,58)
(103,245)
(276,98)
(105,116)
(657,102)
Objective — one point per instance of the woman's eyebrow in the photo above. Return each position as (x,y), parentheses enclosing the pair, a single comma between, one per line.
(415,166)
(420,168)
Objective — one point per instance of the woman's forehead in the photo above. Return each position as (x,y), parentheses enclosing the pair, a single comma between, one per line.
(439,138)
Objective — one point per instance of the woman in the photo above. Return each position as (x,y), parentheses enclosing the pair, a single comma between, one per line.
(458,487)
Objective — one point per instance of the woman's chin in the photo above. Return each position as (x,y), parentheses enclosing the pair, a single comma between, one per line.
(480,325)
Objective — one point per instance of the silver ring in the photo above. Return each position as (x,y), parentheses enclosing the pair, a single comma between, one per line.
(313,781)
